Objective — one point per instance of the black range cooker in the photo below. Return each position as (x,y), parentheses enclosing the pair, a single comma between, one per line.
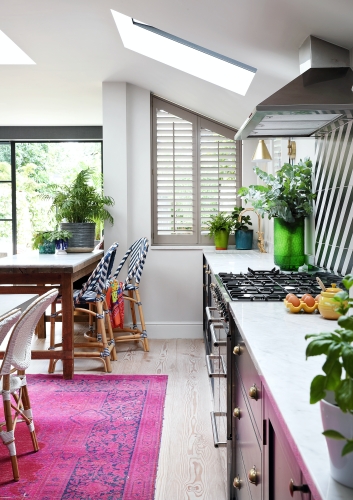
(274,285)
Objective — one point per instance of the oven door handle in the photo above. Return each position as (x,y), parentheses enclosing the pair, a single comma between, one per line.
(215,341)
(217,443)
(210,318)
(222,372)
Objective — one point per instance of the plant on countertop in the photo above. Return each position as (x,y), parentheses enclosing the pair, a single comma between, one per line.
(287,194)
(337,346)
(243,223)
(40,237)
(219,222)
(80,201)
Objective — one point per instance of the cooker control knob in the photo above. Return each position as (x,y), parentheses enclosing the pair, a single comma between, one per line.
(237,482)
(237,350)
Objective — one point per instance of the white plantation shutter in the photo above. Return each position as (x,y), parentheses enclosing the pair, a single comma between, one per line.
(218,172)
(277,154)
(196,172)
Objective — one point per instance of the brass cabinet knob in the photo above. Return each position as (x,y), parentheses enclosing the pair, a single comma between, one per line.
(253,393)
(237,482)
(304,488)
(236,350)
(236,413)
(253,475)
(207,272)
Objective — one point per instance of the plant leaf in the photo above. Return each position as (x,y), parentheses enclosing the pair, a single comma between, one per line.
(333,375)
(347,448)
(317,347)
(344,395)
(317,389)
(348,281)
(347,358)
(346,322)
(333,435)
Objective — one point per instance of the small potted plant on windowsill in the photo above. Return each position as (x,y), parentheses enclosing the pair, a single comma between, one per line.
(243,235)
(334,388)
(219,227)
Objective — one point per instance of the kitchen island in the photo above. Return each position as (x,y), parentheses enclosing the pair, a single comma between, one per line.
(275,341)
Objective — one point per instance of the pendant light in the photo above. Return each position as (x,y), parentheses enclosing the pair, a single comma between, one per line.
(261,153)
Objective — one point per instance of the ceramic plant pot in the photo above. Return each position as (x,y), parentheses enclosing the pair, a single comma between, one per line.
(221,240)
(289,244)
(243,239)
(327,306)
(334,419)
(47,247)
(61,247)
(82,239)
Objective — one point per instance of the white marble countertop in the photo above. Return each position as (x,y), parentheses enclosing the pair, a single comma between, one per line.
(275,339)
(71,261)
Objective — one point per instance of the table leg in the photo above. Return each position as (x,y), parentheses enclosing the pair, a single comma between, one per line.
(67,324)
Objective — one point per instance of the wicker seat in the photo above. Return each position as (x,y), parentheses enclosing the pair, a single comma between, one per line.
(92,293)
(136,254)
(17,357)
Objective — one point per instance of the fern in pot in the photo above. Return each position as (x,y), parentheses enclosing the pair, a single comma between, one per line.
(78,207)
(334,387)
(219,227)
(287,197)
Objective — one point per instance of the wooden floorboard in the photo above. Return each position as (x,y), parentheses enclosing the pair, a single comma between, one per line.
(190,467)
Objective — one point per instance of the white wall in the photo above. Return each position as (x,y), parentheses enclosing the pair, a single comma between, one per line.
(171,285)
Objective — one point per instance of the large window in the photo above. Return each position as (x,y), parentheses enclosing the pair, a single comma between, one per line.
(196,173)
(26,169)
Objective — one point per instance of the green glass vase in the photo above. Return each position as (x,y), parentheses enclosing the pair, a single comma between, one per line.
(289,244)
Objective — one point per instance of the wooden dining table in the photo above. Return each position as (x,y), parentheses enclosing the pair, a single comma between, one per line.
(34,273)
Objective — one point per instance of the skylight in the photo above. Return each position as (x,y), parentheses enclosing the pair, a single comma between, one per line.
(10,53)
(183,55)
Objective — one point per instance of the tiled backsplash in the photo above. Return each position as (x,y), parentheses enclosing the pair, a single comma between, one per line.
(333,207)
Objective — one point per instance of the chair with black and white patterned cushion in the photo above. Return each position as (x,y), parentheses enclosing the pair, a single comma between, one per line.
(136,257)
(92,293)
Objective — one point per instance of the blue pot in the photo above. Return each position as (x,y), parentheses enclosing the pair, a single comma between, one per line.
(243,239)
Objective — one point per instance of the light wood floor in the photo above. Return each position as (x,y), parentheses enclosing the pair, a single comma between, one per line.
(190,467)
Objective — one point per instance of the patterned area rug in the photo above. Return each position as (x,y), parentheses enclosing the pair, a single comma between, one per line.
(99,438)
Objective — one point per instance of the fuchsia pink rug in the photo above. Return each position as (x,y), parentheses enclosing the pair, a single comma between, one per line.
(99,438)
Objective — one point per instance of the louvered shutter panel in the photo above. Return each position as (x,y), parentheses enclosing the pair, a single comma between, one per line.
(174,176)
(277,154)
(218,172)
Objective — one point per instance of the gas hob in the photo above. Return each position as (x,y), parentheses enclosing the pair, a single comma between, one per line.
(274,285)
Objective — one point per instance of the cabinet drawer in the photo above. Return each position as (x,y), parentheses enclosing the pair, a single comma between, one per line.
(247,441)
(250,380)
(240,480)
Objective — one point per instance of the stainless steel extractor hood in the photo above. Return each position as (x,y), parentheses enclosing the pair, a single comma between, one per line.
(312,103)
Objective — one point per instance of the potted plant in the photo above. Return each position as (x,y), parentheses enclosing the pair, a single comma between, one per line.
(243,235)
(219,228)
(287,196)
(61,239)
(43,241)
(78,207)
(334,388)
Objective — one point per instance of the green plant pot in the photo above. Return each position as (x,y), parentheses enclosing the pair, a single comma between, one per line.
(47,247)
(289,244)
(221,240)
(243,239)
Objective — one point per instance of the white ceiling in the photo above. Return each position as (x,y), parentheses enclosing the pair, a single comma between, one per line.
(76,47)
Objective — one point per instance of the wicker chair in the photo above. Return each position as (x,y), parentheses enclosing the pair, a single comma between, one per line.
(17,357)
(137,254)
(92,293)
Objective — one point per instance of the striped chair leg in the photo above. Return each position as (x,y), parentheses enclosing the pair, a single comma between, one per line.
(8,437)
(142,319)
(27,410)
(110,335)
(105,353)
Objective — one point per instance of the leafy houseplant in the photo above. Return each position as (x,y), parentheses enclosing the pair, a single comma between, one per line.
(243,235)
(334,389)
(287,196)
(219,228)
(78,207)
(47,241)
